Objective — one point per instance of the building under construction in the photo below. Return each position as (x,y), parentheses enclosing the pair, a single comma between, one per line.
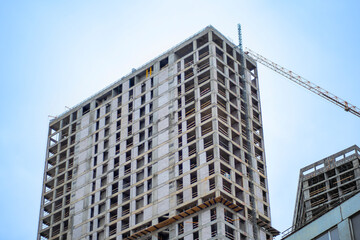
(325,184)
(173,150)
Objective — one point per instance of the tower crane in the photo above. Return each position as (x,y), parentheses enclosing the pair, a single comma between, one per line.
(300,80)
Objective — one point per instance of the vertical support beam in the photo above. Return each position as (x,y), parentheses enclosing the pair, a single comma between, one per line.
(248,134)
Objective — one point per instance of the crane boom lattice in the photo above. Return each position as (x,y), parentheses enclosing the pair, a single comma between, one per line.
(304,83)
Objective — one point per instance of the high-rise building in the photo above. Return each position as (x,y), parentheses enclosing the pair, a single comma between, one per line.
(174,150)
(325,184)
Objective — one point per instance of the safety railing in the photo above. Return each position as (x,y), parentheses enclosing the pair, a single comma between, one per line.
(188,64)
(190,112)
(208,144)
(203,55)
(227,189)
(203,66)
(204,92)
(229,235)
(205,104)
(221,92)
(227,160)
(188,88)
(206,131)
(112,232)
(221,105)
(180,201)
(189,75)
(223,131)
(125,212)
(209,157)
(192,152)
(205,117)
(193,180)
(124,226)
(203,79)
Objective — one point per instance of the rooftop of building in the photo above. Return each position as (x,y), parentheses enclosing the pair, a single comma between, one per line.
(141,69)
(329,162)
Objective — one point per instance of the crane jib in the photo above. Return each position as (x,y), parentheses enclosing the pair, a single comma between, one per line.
(304,83)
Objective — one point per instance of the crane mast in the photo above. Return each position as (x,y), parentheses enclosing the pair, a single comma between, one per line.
(304,83)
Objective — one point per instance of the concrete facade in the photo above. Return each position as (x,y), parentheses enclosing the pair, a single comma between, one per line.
(340,223)
(323,184)
(174,150)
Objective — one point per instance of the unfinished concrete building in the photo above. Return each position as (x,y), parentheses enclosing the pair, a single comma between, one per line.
(173,150)
(326,183)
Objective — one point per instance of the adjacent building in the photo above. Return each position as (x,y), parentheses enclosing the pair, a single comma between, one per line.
(173,150)
(326,183)
(339,223)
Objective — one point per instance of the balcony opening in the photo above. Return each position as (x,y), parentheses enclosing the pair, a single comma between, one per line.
(227,186)
(180,228)
(125,224)
(86,109)
(213,230)
(223,142)
(225,171)
(203,65)
(205,102)
(190,123)
(229,232)
(189,98)
(184,51)
(126,182)
(191,136)
(235,138)
(202,40)
(180,167)
(220,66)
(164,63)
(193,178)
(190,110)
(239,194)
(222,91)
(140,175)
(206,128)
(179,198)
(211,169)
(139,203)
(217,40)
(219,54)
(194,191)
(203,77)
(188,61)
(179,184)
(141,148)
(164,235)
(189,74)
(224,157)
(208,142)
(223,129)
(230,63)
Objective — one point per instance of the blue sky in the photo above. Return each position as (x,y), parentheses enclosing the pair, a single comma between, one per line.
(56,53)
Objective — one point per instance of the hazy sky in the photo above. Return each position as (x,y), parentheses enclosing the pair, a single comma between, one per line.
(57,53)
